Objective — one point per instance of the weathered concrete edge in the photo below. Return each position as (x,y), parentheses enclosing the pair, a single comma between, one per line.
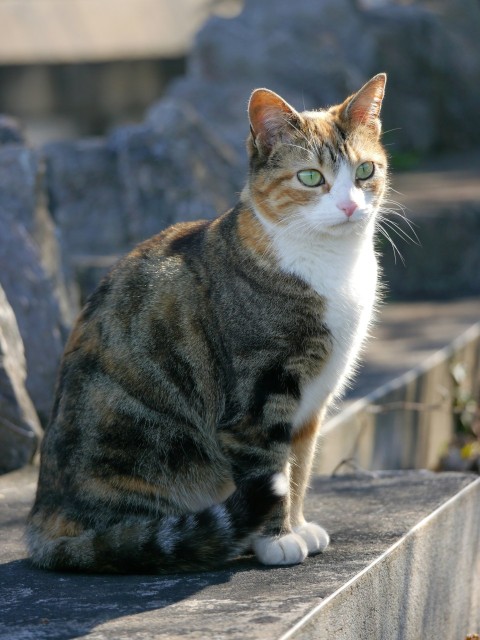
(348,424)
(304,629)
(471,335)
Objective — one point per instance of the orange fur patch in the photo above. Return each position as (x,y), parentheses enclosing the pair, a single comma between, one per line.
(120,485)
(137,485)
(251,232)
(307,431)
(289,195)
(57,525)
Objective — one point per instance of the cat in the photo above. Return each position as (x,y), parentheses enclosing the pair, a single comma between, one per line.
(194,382)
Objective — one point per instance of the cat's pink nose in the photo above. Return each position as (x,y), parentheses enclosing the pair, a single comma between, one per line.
(348,207)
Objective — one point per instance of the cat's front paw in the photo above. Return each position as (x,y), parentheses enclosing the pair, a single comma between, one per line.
(288,549)
(315,538)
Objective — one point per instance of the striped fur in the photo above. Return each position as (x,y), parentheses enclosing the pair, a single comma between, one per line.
(185,391)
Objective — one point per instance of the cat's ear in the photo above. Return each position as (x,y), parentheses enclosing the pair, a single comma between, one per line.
(270,117)
(363,108)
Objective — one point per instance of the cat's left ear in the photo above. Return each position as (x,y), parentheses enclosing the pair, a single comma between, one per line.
(363,108)
(270,117)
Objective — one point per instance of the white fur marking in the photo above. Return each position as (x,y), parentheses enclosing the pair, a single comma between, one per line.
(335,255)
(167,537)
(222,517)
(279,484)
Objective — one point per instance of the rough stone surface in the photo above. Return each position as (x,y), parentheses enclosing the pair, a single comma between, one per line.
(10,131)
(329,48)
(170,169)
(31,272)
(85,196)
(442,199)
(365,515)
(106,195)
(20,430)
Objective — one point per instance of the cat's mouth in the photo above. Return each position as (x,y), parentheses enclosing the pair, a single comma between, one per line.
(347,221)
(349,225)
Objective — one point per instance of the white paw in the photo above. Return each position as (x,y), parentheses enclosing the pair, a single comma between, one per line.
(288,549)
(315,537)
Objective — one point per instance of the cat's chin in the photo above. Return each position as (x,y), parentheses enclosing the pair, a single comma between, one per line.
(349,226)
(339,230)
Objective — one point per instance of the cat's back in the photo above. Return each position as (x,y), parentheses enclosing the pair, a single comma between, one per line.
(149,281)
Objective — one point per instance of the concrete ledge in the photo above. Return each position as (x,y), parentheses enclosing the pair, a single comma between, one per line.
(407,422)
(404,563)
(427,584)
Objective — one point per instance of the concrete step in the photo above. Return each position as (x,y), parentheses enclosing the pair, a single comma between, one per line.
(404,563)
(422,363)
(442,199)
(406,334)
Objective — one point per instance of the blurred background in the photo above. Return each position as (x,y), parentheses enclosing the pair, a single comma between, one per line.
(76,68)
(121,117)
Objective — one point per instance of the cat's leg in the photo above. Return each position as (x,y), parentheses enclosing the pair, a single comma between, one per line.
(278,544)
(303,451)
(256,449)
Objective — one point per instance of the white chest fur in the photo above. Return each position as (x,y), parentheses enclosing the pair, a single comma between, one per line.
(344,272)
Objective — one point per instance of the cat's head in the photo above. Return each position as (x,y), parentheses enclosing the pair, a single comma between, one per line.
(317,171)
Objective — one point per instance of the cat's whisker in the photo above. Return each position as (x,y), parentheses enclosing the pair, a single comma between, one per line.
(399,206)
(386,211)
(411,225)
(392,243)
(396,207)
(399,231)
(391,130)
(395,191)
(297,146)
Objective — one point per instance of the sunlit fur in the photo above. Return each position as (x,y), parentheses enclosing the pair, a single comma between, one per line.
(319,140)
(194,382)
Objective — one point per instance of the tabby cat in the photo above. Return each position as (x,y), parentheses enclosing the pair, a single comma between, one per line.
(193,383)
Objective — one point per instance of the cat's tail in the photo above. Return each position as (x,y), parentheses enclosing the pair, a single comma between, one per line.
(189,542)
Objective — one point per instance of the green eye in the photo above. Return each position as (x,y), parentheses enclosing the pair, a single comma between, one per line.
(365,170)
(310,177)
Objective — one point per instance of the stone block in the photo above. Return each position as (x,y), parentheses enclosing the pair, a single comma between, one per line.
(108,195)
(31,272)
(173,168)
(84,196)
(20,430)
(10,131)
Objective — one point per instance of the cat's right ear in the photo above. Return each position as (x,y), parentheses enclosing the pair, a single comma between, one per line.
(270,117)
(363,108)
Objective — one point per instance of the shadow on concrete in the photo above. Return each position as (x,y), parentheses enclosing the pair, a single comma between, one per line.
(64,606)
